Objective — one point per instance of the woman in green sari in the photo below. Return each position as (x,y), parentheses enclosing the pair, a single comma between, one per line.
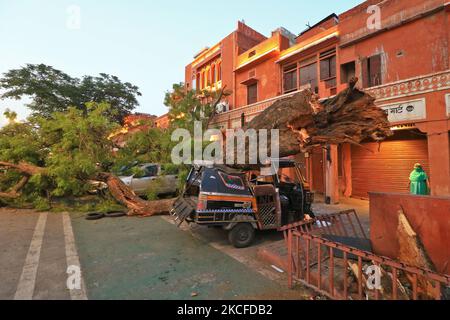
(418,181)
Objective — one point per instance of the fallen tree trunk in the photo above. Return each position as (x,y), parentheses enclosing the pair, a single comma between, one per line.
(304,122)
(136,205)
(121,192)
(25,168)
(413,253)
(15,191)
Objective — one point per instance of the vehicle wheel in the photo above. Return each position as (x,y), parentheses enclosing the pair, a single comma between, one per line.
(242,235)
(115,214)
(94,216)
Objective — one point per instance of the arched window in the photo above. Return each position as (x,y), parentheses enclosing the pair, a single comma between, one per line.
(219,70)
(209,77)
(194,82)
(213,73)
(202,80)
(197,80)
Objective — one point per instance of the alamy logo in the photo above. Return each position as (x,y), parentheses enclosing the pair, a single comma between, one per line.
(73,21)
(74,278)
(374,277)
(374,20)
(256,142)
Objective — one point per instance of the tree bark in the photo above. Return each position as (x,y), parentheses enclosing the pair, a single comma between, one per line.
(304,122)
(413,253)
(15,191)
(135,204)
(24,168)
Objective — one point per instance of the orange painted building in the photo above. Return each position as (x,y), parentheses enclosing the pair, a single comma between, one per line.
(405,66)
(162,122)
(403,62)
(213,68)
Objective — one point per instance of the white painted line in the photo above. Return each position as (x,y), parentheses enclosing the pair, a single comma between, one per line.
(25,288)
(72,257)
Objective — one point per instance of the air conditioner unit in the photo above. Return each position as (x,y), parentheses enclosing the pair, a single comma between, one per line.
(222,107)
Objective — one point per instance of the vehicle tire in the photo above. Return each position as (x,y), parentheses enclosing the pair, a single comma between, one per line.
(94,216)
(115,214)
(242,235)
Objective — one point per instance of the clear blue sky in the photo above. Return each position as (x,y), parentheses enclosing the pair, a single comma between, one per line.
(147,43)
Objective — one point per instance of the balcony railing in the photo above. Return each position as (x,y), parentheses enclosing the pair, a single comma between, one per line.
(404,88)
(412,86)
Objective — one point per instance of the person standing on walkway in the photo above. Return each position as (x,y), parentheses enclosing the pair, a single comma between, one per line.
(419,183)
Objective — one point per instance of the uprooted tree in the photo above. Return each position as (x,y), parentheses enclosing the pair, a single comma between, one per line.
(57,155)
(304,122)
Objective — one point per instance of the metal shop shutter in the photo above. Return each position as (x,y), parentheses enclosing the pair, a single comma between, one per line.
(387,169)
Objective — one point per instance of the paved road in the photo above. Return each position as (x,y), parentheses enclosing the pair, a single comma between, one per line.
(128,258)
(34,255)
(152,259)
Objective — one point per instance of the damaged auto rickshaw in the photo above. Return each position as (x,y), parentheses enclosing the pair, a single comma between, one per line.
(244,201)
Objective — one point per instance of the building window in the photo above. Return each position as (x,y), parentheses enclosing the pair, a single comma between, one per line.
(209,77)
(290,78)
(213,73)
(194,83)
(252,93)
(347,72)
(219,71)
(308,75)
(328,71)
(202,80)
(197,80)
(371,71)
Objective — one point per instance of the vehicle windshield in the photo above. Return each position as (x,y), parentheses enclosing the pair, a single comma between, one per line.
(291,175)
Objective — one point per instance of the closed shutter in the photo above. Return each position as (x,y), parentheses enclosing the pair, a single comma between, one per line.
(387,169)
(252,93)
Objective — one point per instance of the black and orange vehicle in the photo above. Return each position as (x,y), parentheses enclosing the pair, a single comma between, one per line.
(242,202)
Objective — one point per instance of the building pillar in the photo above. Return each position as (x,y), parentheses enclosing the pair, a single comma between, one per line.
(332,174)
(347,169)
(439,157)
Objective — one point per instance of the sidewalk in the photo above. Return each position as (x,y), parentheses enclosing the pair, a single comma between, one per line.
(275,253)
(361,207)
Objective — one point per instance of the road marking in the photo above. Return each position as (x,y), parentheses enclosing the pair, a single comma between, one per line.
(25,288)
(72,257)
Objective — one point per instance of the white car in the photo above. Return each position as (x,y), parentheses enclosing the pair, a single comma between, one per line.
(151,175)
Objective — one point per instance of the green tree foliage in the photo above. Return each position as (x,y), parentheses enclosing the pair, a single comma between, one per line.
(185,108)
(72,145)
(10,115)
(149,146)
(52,91)
(188,106)
(79,146)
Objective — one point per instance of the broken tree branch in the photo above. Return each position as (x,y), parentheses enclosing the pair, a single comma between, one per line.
(15,193)
(304,122)
(136,205)
(413,253)
(118,189)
